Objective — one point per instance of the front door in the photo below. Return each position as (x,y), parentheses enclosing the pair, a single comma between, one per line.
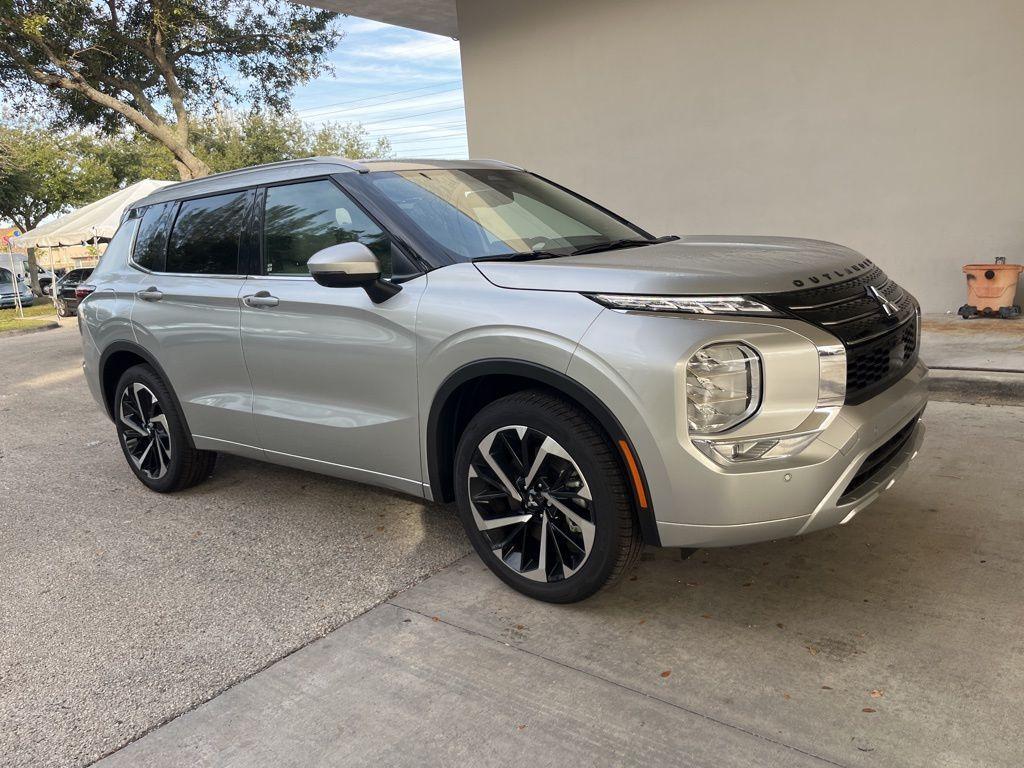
(333,374)
(186,313)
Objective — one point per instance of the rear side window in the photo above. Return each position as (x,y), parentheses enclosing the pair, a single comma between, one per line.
(151,243)
(301,219)
(206,235)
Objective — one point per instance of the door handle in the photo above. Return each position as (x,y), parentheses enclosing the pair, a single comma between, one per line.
(260,299)
(150,294)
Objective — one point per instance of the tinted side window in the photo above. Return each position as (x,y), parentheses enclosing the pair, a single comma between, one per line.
(151,243)
(301,219)
(206,235)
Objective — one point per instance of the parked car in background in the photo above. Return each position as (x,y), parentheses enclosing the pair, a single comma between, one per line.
(67,290)
(471,332)
(11,289)
(45,277)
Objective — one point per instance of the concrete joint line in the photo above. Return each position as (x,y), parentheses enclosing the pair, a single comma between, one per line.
(650,696)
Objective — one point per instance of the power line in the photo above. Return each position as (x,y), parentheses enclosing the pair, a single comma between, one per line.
(370,118)
(432,147)
(324,112)
(448,136)
(384,95)
(409,117)
(432,139)
(406,131)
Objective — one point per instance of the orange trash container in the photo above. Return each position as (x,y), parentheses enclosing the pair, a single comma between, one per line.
(991,289)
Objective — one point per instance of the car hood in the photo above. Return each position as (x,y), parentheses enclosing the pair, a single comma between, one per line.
(693,265)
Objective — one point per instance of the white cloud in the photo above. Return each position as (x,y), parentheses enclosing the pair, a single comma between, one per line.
(391,67)
(412,51)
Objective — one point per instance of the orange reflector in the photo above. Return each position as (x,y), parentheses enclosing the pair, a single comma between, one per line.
(634,472)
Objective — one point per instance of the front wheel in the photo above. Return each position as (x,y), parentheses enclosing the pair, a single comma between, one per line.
(543,498)
(152,434)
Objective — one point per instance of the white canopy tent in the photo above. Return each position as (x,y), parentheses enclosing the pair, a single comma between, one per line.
(98,220)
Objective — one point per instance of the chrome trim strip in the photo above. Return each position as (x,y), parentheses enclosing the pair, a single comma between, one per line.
(417,483)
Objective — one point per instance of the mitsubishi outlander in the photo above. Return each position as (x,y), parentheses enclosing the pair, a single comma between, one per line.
(470,332)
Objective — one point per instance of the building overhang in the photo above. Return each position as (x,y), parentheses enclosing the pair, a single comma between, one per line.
(436,16)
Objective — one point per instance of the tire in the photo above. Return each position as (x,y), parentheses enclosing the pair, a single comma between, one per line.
(62,309)
(153,436)
(588,543)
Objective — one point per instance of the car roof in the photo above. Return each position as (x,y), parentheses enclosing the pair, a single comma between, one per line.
(294,170)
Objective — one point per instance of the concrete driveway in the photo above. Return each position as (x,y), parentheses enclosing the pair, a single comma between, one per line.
(893,641)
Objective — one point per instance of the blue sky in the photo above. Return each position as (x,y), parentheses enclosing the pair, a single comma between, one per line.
(398,83)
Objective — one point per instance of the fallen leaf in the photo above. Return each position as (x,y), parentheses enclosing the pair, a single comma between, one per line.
(666,673)
(380,527)
(642,621)
(869,710)
(780,625)
(814,651)
(692,584)
(632,578)
(877,693)
(705,615)
(749,584)
(406,621)
(786,696)
(521,727)
(520,626)
(436,618)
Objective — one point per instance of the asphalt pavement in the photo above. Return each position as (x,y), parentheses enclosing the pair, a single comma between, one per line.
(264,619)
(121,608)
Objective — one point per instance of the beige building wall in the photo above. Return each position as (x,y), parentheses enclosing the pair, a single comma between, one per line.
(893,126)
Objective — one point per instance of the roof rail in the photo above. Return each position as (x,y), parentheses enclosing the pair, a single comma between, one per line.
(345,162)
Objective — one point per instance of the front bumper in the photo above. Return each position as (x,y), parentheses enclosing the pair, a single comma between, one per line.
(7,300)
(794,500)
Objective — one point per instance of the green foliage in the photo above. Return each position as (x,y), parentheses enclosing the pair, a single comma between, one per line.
(47,173)
(43,173)
(231,141)
(156,65)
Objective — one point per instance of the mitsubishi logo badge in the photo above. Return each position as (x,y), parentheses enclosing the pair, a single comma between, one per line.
(888,306)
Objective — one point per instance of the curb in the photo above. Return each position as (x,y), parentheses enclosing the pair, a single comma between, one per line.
(23,331)
(973,386)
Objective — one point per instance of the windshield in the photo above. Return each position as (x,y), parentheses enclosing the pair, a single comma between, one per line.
(473,214)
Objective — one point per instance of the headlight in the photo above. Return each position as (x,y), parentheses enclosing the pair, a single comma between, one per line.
(701,305)
(725,451)
(831,395)
(723,387)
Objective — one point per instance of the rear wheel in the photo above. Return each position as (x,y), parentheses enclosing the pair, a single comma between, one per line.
(62,309)
(152,434)
(543,498)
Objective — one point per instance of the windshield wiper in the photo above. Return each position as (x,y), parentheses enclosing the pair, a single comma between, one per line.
(524,256)
(628,242)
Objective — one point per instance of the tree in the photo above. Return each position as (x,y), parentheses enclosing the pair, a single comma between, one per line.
(232,141)
(157,64)
(45,174)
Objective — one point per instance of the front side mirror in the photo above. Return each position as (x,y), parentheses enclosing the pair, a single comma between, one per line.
(351,265)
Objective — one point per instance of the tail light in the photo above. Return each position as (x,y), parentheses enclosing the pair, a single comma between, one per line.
(83,290)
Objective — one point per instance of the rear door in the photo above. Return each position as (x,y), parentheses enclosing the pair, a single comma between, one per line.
(334,375)
(186,312)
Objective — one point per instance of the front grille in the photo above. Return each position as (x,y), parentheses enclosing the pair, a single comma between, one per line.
(878,459)
(880,348)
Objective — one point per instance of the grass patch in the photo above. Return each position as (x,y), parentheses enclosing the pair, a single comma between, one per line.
(39,314)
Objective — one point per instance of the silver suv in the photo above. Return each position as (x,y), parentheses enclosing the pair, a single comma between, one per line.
(472,332)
